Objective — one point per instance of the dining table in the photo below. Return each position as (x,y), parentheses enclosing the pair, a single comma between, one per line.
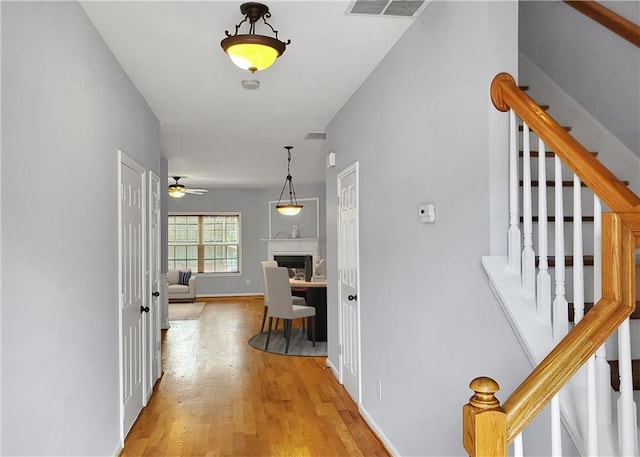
(316,296)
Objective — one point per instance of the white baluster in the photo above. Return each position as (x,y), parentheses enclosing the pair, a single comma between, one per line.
(592,408)
(513,234)
(543,283)
(560,311)
(627,422)
(578,260)
(528,256)
(556,427)
(518,447)
(603,370)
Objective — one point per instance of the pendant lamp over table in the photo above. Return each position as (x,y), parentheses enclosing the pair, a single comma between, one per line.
(290,208)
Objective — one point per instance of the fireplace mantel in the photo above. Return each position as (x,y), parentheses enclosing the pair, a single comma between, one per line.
(292,246)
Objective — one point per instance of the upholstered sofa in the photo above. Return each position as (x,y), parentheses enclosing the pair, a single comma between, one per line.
(180,291)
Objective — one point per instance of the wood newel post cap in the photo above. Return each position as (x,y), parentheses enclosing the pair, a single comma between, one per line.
(496,91)
(484,396)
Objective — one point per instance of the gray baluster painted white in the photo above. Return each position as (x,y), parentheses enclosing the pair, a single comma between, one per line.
(528,256)
(560,311)
(627,421)
(578,260)
(514,228)
(603,370)
(543,281)
(556,427)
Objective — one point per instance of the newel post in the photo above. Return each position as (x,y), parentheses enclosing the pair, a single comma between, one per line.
(484,422)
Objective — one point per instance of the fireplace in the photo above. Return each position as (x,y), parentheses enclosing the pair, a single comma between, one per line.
(300,265)
(297,253)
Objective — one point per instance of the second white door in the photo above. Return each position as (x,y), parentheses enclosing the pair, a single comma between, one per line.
(348,267)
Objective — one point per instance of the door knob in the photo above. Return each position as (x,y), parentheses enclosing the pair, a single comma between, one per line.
(144,309)
(352,297)
(156,294)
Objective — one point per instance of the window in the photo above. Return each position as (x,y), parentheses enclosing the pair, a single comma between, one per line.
(205,243)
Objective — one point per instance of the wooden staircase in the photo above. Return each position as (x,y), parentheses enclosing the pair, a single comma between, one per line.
(587,259)
(569,344)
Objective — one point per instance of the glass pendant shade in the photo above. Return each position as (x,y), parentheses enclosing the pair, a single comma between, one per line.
(252,56)
(251,51)
(288,210)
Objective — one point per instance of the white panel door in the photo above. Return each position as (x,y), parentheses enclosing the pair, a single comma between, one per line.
(132,289)
(153,369)
(348,266)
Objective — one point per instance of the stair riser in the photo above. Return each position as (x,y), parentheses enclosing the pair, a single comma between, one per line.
(586,197)
(567,174)
(588,285)
(587,238)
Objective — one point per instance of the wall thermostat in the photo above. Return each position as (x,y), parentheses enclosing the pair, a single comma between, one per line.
(427,213)
(331,159)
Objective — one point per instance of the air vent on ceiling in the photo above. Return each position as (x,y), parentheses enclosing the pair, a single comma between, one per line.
(403,8)
(315,136)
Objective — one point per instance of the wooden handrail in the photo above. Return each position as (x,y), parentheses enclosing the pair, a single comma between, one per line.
(485,421)
(618,290)
(506,94)
(610,19)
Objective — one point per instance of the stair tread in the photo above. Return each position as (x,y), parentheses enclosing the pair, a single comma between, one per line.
(553,218)
(568,260)
(589,305)
(551,154)
(615,374)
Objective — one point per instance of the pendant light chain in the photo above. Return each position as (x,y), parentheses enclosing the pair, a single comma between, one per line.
(292,208)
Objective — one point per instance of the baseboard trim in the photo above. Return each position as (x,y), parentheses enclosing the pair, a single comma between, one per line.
(333,368)
(250,294)
(377,431)
(118,450)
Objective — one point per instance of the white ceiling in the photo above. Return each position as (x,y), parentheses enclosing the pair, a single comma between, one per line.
(218,134)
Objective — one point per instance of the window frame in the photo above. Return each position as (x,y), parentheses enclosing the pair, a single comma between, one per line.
(237,214)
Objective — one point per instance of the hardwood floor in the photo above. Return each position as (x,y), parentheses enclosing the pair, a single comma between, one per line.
(220,397)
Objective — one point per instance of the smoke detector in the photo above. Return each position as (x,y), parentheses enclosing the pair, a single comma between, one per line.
(250,84)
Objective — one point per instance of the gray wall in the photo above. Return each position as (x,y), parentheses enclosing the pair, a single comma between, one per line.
(600,70)
(420,127)
(67,107)
(253,205)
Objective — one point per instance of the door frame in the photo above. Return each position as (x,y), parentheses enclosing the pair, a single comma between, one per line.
(153,317)
(124,159)
(353,168)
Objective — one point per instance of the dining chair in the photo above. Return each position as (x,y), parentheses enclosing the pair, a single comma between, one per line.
(296,300)
(281,305)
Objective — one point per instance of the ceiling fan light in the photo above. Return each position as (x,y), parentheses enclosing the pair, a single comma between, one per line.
(289,210)
(177,191)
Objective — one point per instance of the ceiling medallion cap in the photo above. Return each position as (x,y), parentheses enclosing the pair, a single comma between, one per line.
(251,51)
(254,10)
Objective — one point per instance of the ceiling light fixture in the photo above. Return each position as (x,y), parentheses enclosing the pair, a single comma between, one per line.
(292,208)
(250,51)
(177,190)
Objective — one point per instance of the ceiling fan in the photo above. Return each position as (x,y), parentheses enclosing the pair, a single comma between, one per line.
(177,190)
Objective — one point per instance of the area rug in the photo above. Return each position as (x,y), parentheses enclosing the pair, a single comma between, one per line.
(185,311)
(298,345)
